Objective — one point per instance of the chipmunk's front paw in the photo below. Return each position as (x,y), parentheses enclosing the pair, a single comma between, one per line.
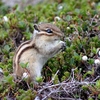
(63,45)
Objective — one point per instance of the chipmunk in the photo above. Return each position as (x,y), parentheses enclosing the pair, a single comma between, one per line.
(45,43)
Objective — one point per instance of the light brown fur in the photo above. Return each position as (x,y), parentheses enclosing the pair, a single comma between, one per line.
(36,52)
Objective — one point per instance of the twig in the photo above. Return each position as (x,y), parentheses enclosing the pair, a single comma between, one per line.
(96,78)
(63,90)
(92,20)
(54,76)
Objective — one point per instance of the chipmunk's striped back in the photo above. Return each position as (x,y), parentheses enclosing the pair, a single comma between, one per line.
(24,46)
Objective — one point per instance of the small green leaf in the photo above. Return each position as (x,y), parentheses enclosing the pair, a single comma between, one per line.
(85,87)
(94,50)
(98,84)
(24,65)
(6,48)
(67,74)
(98,96)
(39,79)
(22,25)
(98,6)
(90,98)
(8,79)
(72,61)
(77,11)
(91,61)
(68,17)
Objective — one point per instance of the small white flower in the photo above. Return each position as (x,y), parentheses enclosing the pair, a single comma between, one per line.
(93,4)
(68,28)
(98,53)
(5,19)
(75,33)
(57,18)
(84,58)
(98,49)
(60,7)
(97,61)
(37,98)
(25,75)
(1,71)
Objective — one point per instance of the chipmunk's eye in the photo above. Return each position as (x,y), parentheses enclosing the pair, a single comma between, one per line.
(49,31)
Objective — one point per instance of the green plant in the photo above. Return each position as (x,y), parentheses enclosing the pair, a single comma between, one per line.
(79,20)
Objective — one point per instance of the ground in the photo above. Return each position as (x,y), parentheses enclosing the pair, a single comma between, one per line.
(73,74)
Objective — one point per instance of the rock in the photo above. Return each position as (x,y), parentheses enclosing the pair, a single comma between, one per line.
(21,3)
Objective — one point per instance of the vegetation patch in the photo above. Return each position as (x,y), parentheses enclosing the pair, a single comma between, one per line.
(73,74)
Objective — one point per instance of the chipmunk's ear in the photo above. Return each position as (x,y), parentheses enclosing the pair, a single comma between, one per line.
(36,30)
(36,27)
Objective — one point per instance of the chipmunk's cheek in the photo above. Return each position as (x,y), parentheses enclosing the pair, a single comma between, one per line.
(56,42)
